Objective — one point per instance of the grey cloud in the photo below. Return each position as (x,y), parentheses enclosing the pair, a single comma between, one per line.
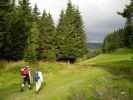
(97,31)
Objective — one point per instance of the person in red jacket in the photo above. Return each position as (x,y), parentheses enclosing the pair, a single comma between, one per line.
(25,73)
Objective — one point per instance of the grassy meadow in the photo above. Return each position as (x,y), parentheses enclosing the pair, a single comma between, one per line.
(104,77)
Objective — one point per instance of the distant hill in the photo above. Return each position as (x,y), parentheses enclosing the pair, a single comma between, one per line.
(94,45)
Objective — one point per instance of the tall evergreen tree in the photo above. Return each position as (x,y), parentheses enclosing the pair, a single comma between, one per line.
(21,28)
(35,13)
(35,36)
(42,28)
(5,36)
(123,37)
(9,54)
(31,52)
(47,36)
(114,41)
(80,40)
(71,34)
(60,34)
(128,14)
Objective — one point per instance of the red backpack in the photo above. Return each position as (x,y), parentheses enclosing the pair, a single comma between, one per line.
(25,72)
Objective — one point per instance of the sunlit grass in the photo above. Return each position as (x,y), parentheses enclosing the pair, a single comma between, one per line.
(119,55)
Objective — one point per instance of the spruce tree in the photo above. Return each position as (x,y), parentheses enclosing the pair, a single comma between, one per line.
(47,37)
(114,41)
(31,52)
(35,13)
(42,28)
(5,36)
(60,34)
(10,16)
(80,38)
(71,34)
(21,28)
(128,14)
(122,37)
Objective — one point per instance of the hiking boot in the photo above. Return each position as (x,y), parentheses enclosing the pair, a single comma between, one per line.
(22,88)
(37,92)
(29,87)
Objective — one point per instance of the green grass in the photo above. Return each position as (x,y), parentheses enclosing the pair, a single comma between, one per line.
(57,84)
(119,55)
(107,74)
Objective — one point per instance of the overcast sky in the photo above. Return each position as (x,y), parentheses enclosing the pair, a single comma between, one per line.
(99,16)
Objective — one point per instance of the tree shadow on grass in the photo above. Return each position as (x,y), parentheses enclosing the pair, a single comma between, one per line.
(121,69)
(122,79)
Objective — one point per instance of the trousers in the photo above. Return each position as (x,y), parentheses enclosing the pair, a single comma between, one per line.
(38,85)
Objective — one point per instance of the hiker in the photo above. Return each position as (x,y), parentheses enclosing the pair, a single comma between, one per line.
(25,73)
(38,78)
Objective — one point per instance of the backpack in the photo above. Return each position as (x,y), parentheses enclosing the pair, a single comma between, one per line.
(36,76)
(24,72)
